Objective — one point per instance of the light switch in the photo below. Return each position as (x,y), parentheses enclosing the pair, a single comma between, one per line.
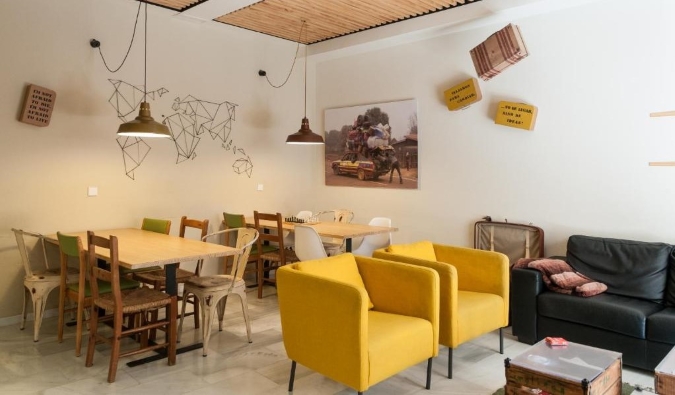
(260,187)
(92,191)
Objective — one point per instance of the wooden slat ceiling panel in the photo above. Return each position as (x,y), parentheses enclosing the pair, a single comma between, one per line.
(325,19)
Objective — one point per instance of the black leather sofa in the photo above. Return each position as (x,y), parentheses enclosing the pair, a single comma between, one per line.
(635,316)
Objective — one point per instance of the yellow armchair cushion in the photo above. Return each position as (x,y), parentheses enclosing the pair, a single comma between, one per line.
(419,250)
(341,268)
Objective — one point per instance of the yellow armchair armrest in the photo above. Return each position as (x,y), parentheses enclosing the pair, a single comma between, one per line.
(325,327)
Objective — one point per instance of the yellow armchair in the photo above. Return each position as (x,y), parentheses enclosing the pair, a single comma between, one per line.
(358,320)
(474,297)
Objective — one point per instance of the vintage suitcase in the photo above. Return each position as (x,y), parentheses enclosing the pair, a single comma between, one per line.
(511,239)
(499,51)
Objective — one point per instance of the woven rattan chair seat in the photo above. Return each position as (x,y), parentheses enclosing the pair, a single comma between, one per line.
(136,300)
(275,256)
(160,276)
(215,282)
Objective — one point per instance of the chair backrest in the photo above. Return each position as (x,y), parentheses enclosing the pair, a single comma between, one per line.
(339,215)
(156,225)
(234,220)
(29,265)
(308,243)
(245,238)
(202,225)
(276,235)
(304,214)
(111,275)
(345,216)
(373,242)
(71,246)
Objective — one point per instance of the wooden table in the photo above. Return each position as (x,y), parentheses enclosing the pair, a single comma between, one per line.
(141,248)
(338,230)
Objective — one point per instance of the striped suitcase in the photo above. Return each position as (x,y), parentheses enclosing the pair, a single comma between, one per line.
(513,240)
(501,50)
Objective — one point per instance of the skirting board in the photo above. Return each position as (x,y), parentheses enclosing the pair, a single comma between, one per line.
(16,319)
(661,163)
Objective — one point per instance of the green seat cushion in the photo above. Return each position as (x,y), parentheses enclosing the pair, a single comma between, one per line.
(104,286)
(265,249)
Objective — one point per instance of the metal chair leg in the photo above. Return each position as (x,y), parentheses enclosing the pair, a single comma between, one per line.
(449,362)
(429,373)
(501,340)
(290,382)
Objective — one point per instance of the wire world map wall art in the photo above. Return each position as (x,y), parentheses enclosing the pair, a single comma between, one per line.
(190,119)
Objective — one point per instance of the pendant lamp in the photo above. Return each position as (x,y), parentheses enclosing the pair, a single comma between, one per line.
(305,134)
(144,125)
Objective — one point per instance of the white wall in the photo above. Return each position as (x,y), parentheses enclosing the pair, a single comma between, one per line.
(46,171)
(595,72)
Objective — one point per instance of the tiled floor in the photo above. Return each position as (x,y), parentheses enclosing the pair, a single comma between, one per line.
(234,366)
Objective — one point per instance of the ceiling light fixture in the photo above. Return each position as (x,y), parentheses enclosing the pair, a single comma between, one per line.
(304,135)
(144,125)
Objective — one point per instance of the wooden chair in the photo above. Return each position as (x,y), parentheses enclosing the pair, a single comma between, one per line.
(274,259)
(212,291)
(39,280)
(232,221)
(78,291)
(157,278)
(137,302)
(153,225)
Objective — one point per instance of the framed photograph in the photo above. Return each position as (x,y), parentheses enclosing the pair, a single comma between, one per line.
(372,145)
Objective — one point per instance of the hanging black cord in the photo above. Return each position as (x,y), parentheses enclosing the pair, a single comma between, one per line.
(303,22)
(297,49)
(145,50)
(130,44)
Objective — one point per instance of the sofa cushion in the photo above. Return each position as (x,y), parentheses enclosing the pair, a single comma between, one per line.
(629,268)
(670,283)
(419,250)
(341,267)
(627,316)
(660,326)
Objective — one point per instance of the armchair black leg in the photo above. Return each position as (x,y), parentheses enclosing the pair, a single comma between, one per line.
(429,373)
(290,382)
(449,362)
(501,340)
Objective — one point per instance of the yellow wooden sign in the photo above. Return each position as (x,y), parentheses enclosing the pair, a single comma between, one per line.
(463,95)
(516,115)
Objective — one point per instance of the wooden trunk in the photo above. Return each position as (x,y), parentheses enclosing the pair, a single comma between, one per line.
(520,381)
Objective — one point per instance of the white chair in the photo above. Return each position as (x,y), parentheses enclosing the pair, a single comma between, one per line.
(289,237)
(374,242)
(212,291)
(308,243)
(37,281)
(335,246)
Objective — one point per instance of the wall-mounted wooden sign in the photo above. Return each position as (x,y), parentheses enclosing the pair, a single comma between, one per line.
(463,95)
(516,115)
(38,106)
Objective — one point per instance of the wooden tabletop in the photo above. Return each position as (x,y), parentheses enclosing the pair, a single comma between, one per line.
(141,248)
(338,230)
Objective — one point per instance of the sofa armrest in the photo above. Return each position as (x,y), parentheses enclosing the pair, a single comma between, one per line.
(324,323)
(398,288)
(526,285)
